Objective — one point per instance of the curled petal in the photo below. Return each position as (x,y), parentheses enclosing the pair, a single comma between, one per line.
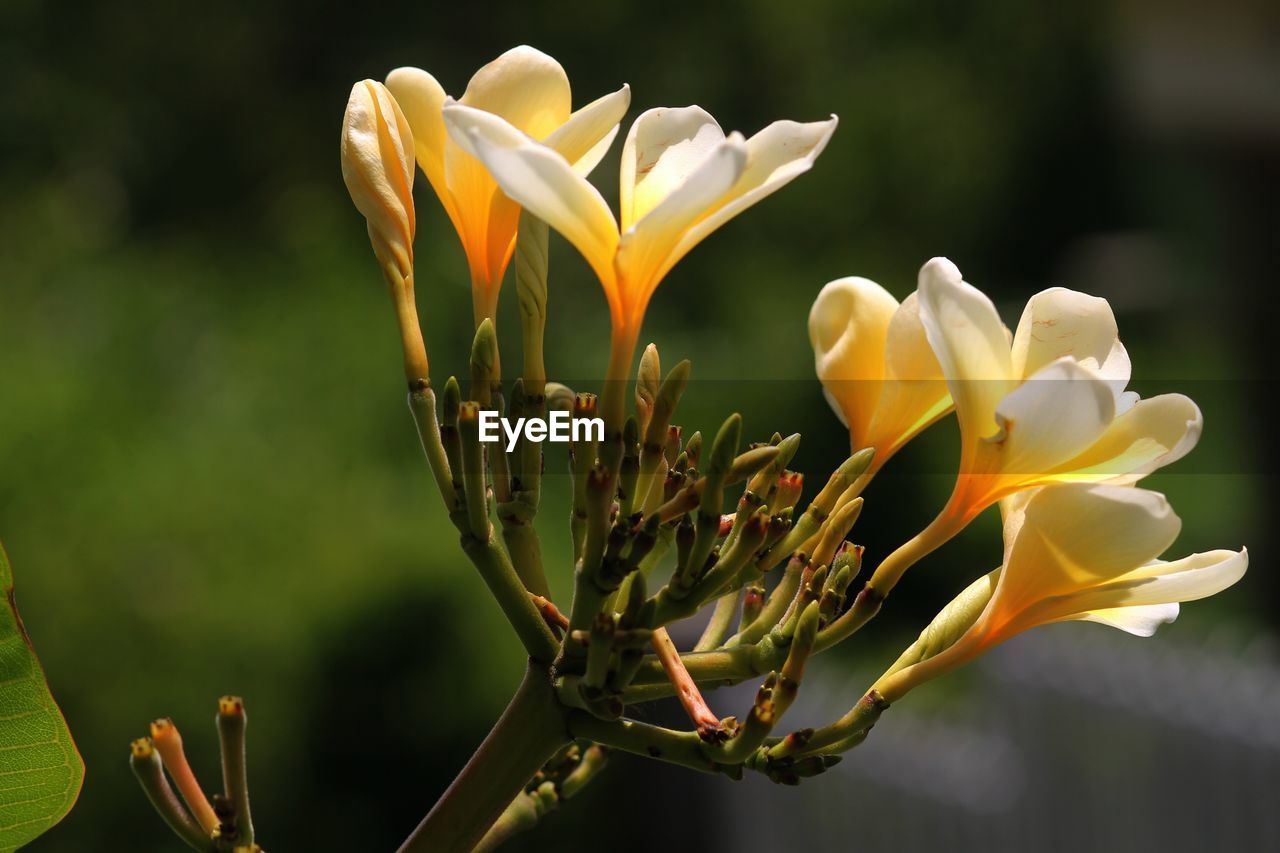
(1076,537)
(586,136)
(1059,322)
(915,394)
(1153,433)
(1188,579)
(848,329)
(908,355)
(1139,621)
(971,344)
(1053,416)
(664,147)
(648,250)
(777,155)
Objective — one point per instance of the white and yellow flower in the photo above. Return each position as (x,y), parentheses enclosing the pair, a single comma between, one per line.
(1047,406)
(530,91)
(1072,552)
(877,369)
(681,178)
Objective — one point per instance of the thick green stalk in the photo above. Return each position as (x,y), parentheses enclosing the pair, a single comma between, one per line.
(531,290)
(528,733)
(526,553)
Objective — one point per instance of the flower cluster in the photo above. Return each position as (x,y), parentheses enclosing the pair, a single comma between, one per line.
(1048,432)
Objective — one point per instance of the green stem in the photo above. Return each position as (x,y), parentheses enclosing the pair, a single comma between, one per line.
(526,553)
(528,733)
(779,600)
(510,592)
(708,669)
(683,748)
(422,402)
(721,622)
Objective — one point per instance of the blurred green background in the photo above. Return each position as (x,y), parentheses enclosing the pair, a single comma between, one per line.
(210,482)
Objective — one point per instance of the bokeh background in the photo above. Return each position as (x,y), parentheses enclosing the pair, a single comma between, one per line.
(209,481)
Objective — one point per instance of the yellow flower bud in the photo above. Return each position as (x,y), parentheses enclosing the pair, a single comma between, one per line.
(377,167)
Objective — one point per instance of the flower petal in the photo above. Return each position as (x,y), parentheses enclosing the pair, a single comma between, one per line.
(970,342)
(1157,583)
(586,136)
(777,155)
(1139,621)
(914,394)
(1150,435)
(908,355)
(848,329)
(1059,322)
(663,148)
(648,251)
(1053,416)
(526,87)
(1079,537)
(1191,578)
(541,181)
(421,99)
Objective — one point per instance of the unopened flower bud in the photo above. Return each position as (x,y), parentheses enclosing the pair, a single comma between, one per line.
(377,167)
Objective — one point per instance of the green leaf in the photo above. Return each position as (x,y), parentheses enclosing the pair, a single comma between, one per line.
(40,769)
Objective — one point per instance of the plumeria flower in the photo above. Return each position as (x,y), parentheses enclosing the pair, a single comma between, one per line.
(530,90)
(1047,406)
(1072,552)
(681,179)
(877,369)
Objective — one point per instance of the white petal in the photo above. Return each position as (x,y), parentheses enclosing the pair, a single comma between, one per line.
(1050,418)
(1078,537)
(541,181)
(908,355)
(1189,579)
(663,148)
(1151,434)
(777,155)
(848,328)
(1157,583)
(970,342)
(585,138)
(648,251)
(914,393)
(524,86)
(1139,621)
(1059,322)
